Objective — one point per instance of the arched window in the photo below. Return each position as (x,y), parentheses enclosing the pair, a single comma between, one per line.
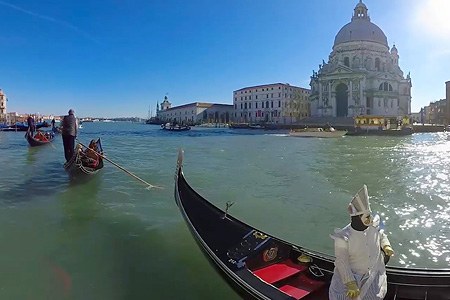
(385,87)
(347,61)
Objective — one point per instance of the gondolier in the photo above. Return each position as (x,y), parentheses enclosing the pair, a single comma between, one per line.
(69,132)
(31,125)
(359,266)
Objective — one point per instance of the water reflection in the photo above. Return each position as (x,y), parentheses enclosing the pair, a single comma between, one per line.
(408,180)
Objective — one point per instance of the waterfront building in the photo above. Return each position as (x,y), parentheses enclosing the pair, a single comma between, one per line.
(2,106)
(194,113)
(362,75)
(436,112)
(276,103)
(447,97)
(416,117)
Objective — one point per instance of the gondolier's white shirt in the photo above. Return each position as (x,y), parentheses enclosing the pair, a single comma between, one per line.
(358,257)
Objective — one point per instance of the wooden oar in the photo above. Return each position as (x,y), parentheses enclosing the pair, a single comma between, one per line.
(122,168)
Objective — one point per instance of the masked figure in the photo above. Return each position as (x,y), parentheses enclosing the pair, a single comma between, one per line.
(360,248)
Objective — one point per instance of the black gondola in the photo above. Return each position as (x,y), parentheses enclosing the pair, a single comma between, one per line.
(80,164)
(261,266)
(23,127)
(56,130)
(44,139)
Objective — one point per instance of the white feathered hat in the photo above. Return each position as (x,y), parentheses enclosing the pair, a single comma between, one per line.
(360,203)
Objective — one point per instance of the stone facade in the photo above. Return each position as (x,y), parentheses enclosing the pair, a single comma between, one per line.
(2,103)
(362,75)
(447,97)
(276,103)
(195,113)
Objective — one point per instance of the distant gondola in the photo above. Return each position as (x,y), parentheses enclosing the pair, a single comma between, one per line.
(80,164)
(56,130)
(39,139)
(23,127)
(261,266)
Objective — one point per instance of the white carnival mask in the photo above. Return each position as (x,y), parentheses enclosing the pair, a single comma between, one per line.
(367,219)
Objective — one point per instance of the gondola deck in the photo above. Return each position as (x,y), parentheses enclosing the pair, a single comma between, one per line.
(260,266)
(33,142)
(77,166)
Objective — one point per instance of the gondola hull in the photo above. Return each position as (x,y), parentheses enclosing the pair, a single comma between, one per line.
(77,166)
(33,142)
(261,266)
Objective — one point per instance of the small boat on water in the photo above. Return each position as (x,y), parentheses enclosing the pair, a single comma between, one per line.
(23,126)
(256,126)
(82,162)
(40,138)
(381,132)
(177,127)
(381,125)
(239,126)
(56,130)
(262,266)
(317,132)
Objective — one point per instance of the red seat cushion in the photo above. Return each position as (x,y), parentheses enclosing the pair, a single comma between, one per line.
(279,271)
(294,291)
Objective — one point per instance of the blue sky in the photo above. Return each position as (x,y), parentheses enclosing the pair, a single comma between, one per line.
(119,57)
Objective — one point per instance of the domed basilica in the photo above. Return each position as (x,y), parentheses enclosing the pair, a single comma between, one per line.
(362,75)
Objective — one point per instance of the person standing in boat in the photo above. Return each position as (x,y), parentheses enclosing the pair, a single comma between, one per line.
(69,132)
(31,125)
(360,248)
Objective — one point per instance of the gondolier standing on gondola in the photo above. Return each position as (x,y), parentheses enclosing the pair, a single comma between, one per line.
(69,132)
(31,125)
(359,266)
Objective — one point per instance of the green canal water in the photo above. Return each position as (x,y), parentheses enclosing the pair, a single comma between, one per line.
(111,238)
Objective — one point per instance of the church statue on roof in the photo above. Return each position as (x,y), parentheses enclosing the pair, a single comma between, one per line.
(362,75)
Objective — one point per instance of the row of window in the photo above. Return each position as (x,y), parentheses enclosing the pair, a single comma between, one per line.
(249,106)
(386,102)
(379,66)
(260,114)
(273,114)
(267,96)
(267,89)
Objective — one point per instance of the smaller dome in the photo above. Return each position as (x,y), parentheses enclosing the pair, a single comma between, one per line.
(394,49)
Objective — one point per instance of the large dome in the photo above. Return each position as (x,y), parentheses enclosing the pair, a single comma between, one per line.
(360,29)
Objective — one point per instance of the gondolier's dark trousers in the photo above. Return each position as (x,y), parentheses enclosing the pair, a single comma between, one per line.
(69,145)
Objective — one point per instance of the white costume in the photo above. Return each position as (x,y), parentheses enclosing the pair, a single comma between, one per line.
(359,256)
